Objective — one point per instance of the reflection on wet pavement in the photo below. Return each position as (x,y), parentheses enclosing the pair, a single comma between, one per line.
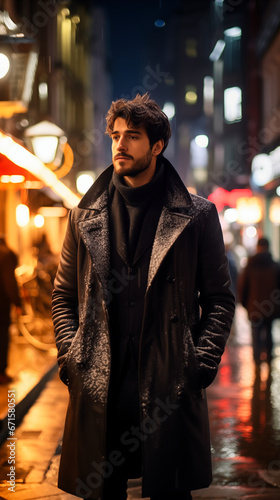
(244,412)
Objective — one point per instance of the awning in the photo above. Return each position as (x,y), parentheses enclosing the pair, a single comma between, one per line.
(8,168)
(15,159)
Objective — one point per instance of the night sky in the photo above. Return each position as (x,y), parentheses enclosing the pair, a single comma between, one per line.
(134,41)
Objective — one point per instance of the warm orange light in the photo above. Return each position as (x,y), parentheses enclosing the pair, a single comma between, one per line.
(5,179)
(14,179)
(22,215)
(39,220)
(249,210)
(17,179)
(24,159)
(274,211)
(52,211)
(10,108)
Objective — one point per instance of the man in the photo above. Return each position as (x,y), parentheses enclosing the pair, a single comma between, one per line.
(9,294)
(141,259)
(258,292)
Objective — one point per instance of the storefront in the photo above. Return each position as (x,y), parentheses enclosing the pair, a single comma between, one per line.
(23,176)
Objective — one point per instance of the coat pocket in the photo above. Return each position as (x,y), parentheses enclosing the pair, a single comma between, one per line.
(191,364)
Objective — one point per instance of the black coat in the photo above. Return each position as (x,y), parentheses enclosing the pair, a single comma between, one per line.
(187,318)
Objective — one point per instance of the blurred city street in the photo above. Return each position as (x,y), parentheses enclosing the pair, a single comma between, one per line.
(77,77)
(244,411)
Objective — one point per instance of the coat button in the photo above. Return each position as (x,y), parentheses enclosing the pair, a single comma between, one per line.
(174,318)
(170,279)
(131,303)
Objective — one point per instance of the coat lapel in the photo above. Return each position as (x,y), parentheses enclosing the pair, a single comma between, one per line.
(94,229)
(170,226)
(173,220)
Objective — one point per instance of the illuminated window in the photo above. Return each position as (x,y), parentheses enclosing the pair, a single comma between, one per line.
(191,94)
(232,55)
(191,47)
(208,95)
(233,104)
(217,51)
(43,90)
(234,32)
(199,154)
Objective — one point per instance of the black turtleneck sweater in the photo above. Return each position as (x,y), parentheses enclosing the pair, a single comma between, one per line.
(136,207)
(134,215)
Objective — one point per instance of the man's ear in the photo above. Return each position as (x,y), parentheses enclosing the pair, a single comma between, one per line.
(158,147)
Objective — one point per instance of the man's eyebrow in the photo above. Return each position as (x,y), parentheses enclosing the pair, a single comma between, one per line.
(128,131)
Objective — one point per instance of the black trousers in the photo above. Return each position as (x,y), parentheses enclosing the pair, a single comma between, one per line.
(262,340)
(123,427)
(115,488)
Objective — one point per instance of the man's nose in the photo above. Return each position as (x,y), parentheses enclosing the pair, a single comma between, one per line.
(121,145)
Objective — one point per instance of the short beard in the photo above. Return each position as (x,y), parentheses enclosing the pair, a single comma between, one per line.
(137,166)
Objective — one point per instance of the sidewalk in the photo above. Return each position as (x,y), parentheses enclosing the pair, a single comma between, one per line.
(244,419)
(30,369)
(38,442)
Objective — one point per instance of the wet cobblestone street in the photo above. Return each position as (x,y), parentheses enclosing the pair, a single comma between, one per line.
(244,415)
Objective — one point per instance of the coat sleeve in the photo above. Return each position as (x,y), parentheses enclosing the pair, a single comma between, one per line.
(216,299)
(65,299)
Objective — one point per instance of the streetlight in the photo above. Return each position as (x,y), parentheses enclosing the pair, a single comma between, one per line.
(49,143)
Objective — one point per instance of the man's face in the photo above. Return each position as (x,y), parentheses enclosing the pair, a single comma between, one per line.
(131,150)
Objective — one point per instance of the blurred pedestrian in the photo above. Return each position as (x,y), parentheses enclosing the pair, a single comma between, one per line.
(259,293)
(140,260)
(9,294)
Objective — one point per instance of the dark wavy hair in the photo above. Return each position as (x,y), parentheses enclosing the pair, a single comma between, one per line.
(141,112)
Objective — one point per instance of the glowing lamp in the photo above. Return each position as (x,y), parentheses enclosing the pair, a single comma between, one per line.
(48,142)
(202,141)
(84,181)
(249,210)
(274,211)
(22,215)
(39,220)
(191,97)
(43,140)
